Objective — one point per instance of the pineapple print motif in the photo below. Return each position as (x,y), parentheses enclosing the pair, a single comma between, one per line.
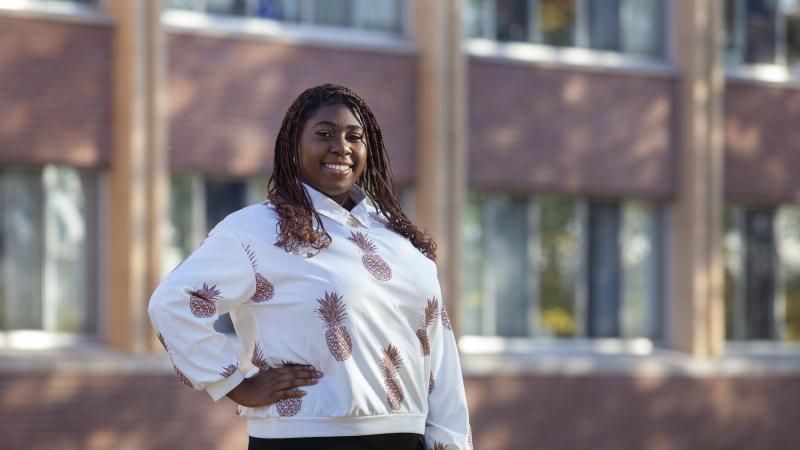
(371,261)
(289,406)
(202,301)
(446,319)
(332,311)
(391,362)
(430,314)
(431,383)
(438,446)
(258,359)
(229,370)
(181,376)
(264,289)
(379,218)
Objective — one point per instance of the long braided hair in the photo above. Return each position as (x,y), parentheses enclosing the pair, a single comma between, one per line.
(299,224)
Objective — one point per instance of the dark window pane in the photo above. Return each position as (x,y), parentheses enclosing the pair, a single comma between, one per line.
(792,21)
(558,260)
(474,18)
(227,7)
(286,10)
(509,264)
(333,12)
(761,31)
(383,15)
(642,25)
(512,20)
(760,274)
(604,26)
(557,22)
(473,265)
(604,264)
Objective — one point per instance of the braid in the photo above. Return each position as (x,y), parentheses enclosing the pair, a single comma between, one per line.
(299,224)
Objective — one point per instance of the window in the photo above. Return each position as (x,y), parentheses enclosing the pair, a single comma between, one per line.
(197,204)
(627,26)
(555,266)
(763,32)
(762,273)
(380,15)
(47,250)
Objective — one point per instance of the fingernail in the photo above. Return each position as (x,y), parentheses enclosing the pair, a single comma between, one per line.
(318,374)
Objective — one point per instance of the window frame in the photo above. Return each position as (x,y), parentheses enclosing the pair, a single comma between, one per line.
(303,32)
(58,10)
(95,308)
(737,69)
(578,56)
(655,307)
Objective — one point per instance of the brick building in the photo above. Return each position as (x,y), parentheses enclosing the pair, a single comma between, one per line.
(613,187)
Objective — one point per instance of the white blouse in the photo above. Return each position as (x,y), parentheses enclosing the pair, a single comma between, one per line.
(367,311)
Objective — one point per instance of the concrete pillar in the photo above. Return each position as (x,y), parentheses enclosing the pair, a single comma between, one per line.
(442,112)
(138,176)
(696,319)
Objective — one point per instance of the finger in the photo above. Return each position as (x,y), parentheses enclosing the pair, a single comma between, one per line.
(293,383)
(291,393)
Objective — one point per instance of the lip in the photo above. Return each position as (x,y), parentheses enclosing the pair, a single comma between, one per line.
(338,169)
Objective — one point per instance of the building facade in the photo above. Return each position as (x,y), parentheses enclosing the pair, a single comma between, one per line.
(612,185)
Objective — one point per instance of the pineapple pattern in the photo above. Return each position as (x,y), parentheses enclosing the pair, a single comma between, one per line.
(258,359)
(438,446)
(181,376)
(431,383)
(374,264)
(332,312)
(264,289)
(202,302)
(289,406)
(379,218)
(430,314)
(446,319)
(229,370)
(391,362)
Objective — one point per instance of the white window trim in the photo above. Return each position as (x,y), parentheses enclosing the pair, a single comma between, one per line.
(525,53)
(262,29)
(764,74)
(490,356)
(57,11)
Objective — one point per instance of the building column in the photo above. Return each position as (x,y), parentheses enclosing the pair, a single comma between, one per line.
(138,176)
(442,150)
(696,297)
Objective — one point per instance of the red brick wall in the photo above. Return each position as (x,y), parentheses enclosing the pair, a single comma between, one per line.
(762,134)
(55,84)
(228,97)
(143,412)
(570,131)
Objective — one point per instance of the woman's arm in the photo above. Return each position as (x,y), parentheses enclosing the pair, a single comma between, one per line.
(447,425)
(214,279)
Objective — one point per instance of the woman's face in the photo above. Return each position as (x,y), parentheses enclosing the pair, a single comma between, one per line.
(333,153)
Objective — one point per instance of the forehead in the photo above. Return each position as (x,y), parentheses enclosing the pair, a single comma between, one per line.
(338,114)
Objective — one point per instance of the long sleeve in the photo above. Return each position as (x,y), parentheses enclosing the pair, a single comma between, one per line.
(213,280)
(447,425)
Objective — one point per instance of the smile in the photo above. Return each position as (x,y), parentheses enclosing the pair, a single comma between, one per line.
(341,168)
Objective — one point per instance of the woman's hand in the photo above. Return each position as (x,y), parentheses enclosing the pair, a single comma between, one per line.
(273,385)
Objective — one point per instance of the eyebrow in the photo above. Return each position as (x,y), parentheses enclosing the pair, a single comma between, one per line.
(326,122)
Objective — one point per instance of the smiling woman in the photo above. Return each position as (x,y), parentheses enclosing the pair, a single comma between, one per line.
(331,289)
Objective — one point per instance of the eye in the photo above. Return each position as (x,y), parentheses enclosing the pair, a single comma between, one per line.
(355,137)
(324,133)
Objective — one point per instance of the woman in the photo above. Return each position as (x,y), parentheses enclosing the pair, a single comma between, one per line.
(333,295)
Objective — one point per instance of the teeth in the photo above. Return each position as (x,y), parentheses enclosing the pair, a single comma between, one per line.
(337,166)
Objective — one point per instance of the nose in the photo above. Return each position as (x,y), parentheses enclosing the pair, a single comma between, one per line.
(341,146)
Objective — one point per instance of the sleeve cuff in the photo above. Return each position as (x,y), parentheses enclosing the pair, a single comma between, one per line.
(219,389)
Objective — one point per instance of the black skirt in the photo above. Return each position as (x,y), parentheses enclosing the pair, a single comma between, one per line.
(393,441)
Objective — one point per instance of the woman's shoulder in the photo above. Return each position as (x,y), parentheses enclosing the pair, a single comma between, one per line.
(246,221)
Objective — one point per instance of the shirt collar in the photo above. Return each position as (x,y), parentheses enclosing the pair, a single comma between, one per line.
(329,208)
